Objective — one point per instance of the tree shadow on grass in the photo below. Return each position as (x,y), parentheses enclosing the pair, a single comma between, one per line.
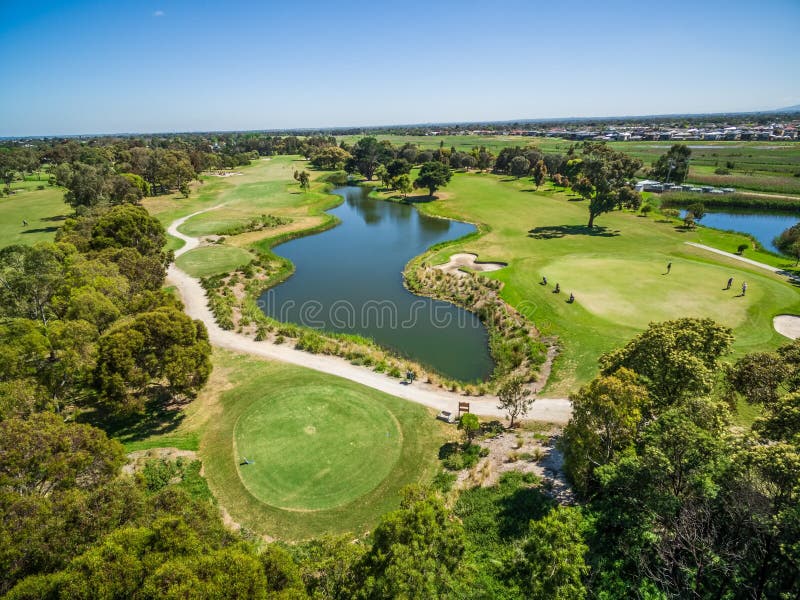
(550,232)
(158,418)
(419,199)
(54,218)
(449,449)
(41,230)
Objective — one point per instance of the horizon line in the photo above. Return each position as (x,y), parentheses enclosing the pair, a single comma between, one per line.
(791,110)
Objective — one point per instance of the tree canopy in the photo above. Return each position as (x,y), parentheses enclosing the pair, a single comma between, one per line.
(673,167)
(432,176)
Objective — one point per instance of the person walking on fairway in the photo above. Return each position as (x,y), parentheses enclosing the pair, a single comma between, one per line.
(744,288)
(730,283)
(669,267)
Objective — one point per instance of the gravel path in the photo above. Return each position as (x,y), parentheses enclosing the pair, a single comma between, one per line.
(749,261)
(551,410)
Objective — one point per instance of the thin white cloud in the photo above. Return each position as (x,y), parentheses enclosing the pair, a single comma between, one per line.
(158,13)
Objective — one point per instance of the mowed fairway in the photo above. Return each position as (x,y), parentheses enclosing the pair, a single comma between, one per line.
(316,446)
(328,455)
(615,271)
(44,210)
(264,187)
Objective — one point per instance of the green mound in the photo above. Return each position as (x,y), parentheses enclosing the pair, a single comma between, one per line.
(212,260)
(316,447)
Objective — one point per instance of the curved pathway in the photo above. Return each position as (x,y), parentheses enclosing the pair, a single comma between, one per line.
(552,410)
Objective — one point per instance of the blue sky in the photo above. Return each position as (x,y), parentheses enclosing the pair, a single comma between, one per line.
(144,66)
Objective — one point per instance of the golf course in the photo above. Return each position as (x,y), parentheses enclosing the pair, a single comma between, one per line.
(617,271)
(292,452)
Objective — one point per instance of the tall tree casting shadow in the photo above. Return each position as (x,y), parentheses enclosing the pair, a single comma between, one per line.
(549,232)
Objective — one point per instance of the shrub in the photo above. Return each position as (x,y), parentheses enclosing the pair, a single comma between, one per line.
(742,247)
(457,458)
(443,481)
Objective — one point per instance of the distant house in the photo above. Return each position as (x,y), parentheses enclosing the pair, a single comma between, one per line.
(649,185)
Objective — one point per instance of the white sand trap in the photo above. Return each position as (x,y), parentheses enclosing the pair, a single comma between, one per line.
(788,325)
(223,174)
(464,259)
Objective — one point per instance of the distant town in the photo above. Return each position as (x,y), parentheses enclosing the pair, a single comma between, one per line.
(783,131)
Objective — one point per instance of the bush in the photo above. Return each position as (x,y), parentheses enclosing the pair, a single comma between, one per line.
(742,247)
(671,213)
(443,482)
(158,473)
(457,458)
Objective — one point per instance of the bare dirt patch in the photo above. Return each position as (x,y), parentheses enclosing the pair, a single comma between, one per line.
(137,459)
(527,450)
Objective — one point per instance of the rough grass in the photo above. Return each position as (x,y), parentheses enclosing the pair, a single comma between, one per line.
(44,210)
(262,410)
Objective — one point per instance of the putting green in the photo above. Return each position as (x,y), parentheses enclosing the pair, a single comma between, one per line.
(212,260)
(691,289)
(316,447)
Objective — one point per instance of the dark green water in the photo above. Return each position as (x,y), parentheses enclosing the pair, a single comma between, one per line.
(349,280)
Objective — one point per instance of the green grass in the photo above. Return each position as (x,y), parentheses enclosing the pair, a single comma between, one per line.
(263,187)
(44,210)
(213,260)
(309,444)
(615,272)
(332,453)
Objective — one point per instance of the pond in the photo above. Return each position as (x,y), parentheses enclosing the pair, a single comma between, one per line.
(765,226)
(349,280)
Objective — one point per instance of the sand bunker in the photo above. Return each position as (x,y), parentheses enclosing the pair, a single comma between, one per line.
(788,325)
(461,260)
(223,173)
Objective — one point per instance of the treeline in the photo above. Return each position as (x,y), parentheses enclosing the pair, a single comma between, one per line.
(113,170)
(593,170)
